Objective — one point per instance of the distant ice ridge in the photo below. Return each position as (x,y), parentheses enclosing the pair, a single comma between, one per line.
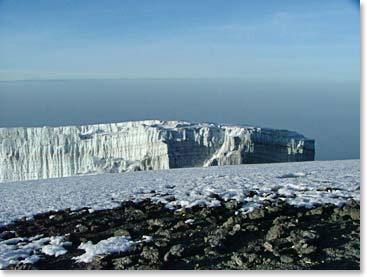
(45,152)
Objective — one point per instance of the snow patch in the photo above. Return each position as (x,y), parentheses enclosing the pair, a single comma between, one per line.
(293,175)
(28,250)
(56,246)
(147,238)
(107,246)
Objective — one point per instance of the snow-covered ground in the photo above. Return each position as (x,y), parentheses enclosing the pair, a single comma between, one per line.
(300,184)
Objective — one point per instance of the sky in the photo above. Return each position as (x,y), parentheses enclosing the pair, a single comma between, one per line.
(277,63)
(252,40)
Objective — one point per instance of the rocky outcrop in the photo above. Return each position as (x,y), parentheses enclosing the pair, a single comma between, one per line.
(35,153)
(274,237)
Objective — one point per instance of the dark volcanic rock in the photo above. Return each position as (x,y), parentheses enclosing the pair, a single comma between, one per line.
(276,236)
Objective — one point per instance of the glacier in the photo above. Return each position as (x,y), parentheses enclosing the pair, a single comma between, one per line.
(47,152)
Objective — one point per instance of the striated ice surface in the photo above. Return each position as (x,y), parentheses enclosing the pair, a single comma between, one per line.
(37,153)
(304,184)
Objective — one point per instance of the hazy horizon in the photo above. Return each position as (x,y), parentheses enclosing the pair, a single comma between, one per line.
(328,113)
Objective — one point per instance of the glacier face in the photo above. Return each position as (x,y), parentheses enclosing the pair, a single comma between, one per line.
(45,152)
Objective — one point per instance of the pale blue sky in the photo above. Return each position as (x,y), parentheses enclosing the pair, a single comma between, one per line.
(252,40)
(290,64)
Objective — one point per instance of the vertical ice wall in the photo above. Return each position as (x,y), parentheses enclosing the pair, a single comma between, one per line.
(34,153)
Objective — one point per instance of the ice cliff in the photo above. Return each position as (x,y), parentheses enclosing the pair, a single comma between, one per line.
(35,153)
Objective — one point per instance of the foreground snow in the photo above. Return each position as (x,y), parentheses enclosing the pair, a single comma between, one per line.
(300,184)
(110,245)
(28,250)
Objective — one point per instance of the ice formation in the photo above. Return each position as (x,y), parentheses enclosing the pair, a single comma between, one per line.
(45,152)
